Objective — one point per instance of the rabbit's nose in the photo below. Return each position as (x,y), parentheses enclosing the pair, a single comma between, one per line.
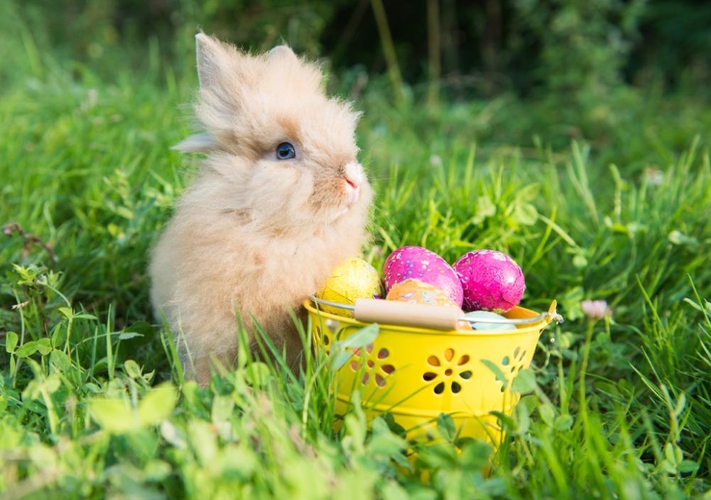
(352,183)
(353,173)
(354,177)
(352,191)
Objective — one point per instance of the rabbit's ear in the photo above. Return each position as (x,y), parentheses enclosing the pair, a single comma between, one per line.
(282,51)
(212,59)
(196,143)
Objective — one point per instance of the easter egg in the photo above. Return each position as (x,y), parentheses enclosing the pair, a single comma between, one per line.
(413,262)
(482,324)
(352,279)
(419,292)
(491,281)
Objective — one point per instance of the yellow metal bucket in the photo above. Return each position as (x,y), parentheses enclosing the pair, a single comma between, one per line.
(416,373)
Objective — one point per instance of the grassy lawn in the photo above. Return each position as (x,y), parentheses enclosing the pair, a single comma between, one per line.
(92,404)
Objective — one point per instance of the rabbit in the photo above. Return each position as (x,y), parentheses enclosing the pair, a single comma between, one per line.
(279,200)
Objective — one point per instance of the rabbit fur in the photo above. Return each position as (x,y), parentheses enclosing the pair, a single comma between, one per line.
(257,231)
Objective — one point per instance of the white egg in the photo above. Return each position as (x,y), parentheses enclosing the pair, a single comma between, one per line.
(483,325)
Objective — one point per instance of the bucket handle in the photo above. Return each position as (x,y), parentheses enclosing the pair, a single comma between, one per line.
(426,316)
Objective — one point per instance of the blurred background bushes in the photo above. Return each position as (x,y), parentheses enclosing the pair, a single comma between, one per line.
(611,73)
(475,48)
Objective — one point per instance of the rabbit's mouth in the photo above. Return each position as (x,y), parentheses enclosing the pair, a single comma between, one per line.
(352,192)
(347,189)
(354,177)
(352,195)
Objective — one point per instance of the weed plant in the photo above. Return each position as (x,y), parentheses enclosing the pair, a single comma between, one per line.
(93,403)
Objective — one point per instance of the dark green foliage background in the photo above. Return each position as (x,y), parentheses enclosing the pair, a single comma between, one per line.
(518,45)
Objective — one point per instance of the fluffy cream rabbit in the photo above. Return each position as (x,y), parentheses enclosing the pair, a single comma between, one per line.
(279,200)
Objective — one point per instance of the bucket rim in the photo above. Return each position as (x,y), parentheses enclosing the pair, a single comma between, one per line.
(515,313)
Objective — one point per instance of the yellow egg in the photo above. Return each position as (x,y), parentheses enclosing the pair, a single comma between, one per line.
(419,292)
(350,280)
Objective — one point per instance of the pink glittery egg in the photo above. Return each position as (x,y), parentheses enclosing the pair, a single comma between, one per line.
(491,281)
(419,263)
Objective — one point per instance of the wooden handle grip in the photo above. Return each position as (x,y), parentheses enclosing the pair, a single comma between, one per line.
(406,314)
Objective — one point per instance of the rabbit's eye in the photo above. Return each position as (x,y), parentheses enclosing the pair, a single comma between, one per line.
(285,151)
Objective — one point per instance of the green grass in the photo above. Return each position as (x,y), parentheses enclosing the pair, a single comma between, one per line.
(93,405)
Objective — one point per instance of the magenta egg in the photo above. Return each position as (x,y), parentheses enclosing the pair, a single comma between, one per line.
(413,262)
(491,281)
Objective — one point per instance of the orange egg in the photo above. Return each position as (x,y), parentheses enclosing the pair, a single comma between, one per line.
(418,292)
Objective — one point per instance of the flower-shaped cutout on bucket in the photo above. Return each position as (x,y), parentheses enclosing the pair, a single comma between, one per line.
(448,371)
(513,364)
(376,365)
